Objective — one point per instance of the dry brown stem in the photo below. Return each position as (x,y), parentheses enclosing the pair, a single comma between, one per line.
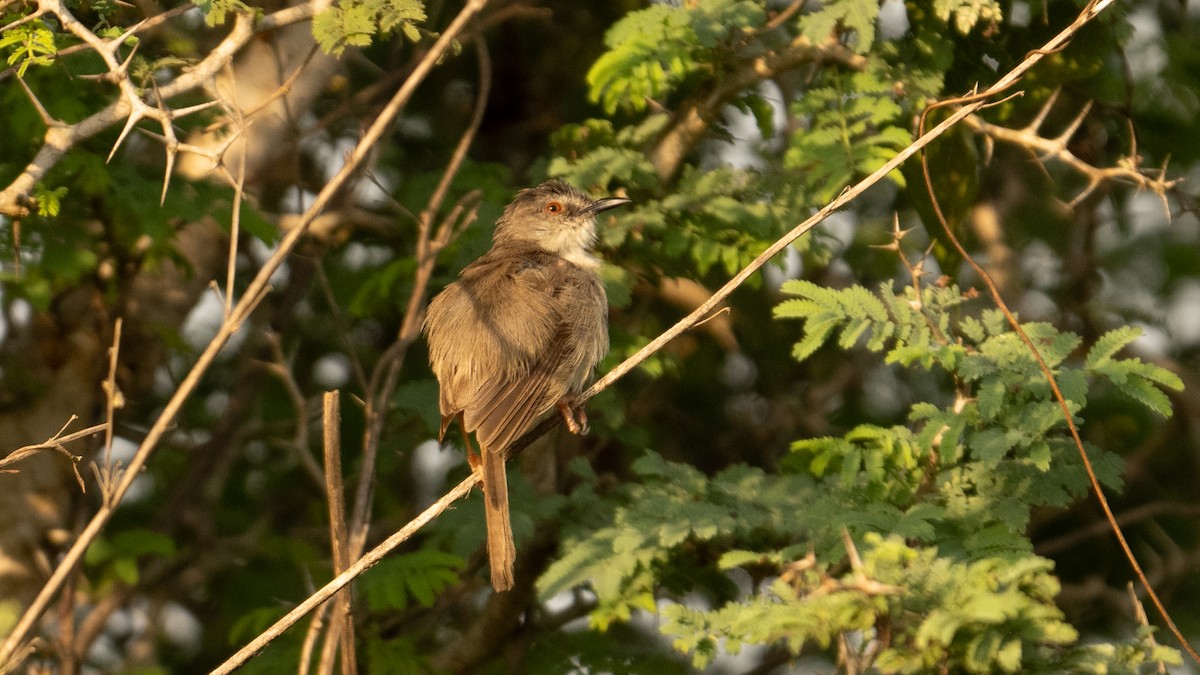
(56,442)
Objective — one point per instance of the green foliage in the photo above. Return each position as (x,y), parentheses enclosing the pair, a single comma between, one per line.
(117,557)
(30,44)
(853,129)
(254,622)
(104,9)
(857,16)
(986,616)
(124,223)
(355,23)
(620,652)
(394,657)
(414,396)
(418,576)
(1138,380)
(216,11)
(654,50)
(937,508)
(670,506)
(964,15)
(48,201)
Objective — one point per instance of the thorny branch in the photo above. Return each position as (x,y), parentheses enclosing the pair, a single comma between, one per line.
(131,104)
(1030,137)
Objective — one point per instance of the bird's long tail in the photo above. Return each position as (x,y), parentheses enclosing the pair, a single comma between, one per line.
(501,551)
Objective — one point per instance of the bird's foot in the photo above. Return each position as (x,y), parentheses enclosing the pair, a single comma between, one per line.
(567,407)
(473,459)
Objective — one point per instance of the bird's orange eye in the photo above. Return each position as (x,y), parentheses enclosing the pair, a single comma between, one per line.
(554,207)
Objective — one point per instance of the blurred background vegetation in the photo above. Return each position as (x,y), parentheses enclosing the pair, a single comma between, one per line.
(860,384)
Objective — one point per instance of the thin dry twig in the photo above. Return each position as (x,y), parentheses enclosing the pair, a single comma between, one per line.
(235,218)
(56,442)
(710,317)
(310,640)
(113,398)
(341,629)
(299,444)
(107,473)
(1099,528)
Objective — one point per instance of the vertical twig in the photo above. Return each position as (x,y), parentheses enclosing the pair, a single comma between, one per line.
(299,444)
(341,628)
(1139,614)
(310,640)
(235,220)
(111,394)
(428,247)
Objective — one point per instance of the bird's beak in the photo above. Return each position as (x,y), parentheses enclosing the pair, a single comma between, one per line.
(607,203)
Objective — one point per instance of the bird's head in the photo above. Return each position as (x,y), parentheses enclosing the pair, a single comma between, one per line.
(558,218)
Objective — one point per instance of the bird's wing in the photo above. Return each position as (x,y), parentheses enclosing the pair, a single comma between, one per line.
(497,341)
(537,344)
(506,407)
(491,323)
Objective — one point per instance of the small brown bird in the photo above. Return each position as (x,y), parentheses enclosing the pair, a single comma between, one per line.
(519,333)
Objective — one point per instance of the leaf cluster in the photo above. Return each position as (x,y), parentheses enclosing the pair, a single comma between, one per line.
(355,23)
(654,51)
(943,576)
(853,129)
(964,15)
(30,44)
(402,579)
